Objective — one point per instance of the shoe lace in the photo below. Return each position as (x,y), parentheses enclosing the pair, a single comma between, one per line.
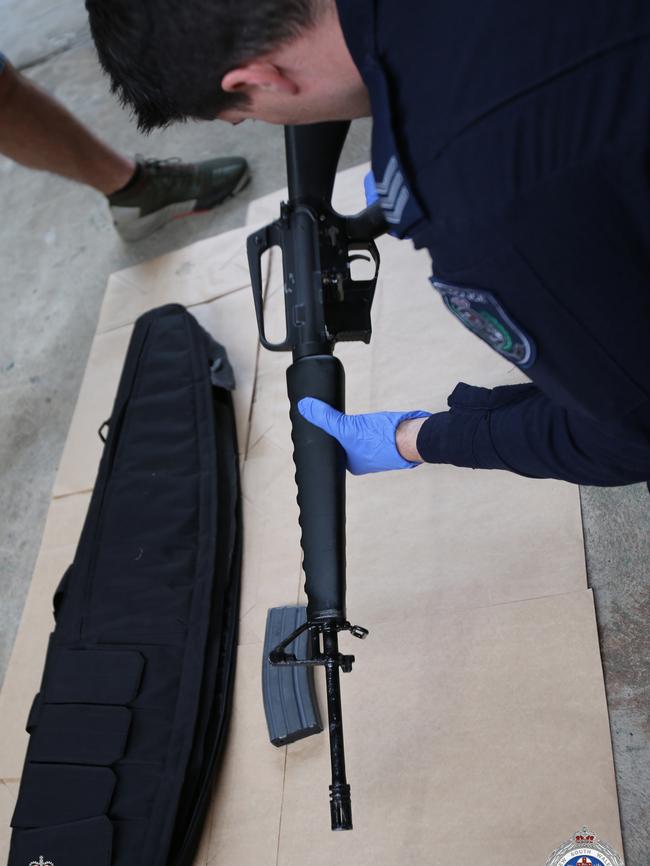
(156,163)
(170,168)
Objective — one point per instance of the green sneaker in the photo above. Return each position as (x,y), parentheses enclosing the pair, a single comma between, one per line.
(167,189)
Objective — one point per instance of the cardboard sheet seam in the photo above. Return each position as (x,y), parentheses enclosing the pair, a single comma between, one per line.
(72,493)
(188,306)
(284,778)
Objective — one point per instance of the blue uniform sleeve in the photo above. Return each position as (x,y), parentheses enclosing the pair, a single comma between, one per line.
(518,429)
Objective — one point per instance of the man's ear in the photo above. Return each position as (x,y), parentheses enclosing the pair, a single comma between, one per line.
(259,74)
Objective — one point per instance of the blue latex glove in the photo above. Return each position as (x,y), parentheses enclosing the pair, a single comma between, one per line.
(370,189)
(368,440)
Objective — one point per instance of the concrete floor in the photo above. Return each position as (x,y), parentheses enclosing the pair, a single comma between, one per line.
(57,248)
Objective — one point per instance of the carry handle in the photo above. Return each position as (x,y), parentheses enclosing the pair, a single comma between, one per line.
(257,244)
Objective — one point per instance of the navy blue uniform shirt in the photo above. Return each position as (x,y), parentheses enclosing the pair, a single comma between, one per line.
(513,141)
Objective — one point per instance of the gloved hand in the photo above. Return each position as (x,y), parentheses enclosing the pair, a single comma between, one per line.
(368,440)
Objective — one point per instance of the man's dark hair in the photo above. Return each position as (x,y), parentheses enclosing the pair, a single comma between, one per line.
(166,58)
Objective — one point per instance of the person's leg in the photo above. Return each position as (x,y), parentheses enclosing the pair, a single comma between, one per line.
(143,195)
(38,132)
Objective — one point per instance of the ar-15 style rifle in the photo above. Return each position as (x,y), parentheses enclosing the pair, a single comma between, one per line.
(323,305)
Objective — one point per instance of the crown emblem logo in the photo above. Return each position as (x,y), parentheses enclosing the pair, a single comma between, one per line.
(585,848)
(41,862)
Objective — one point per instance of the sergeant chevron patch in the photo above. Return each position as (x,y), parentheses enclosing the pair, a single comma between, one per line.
(393,192)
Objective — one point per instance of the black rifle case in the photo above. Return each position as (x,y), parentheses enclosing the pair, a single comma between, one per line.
(127,729)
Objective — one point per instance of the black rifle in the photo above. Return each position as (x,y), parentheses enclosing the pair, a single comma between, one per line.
(323,305)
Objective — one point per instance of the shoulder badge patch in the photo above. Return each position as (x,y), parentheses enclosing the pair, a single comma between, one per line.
(482,313)
(393,192)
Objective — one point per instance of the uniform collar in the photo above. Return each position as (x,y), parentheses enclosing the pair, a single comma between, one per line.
(357,19)
(359,23)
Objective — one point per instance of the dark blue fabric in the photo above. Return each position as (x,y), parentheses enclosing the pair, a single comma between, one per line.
(542,440)
(514,140)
